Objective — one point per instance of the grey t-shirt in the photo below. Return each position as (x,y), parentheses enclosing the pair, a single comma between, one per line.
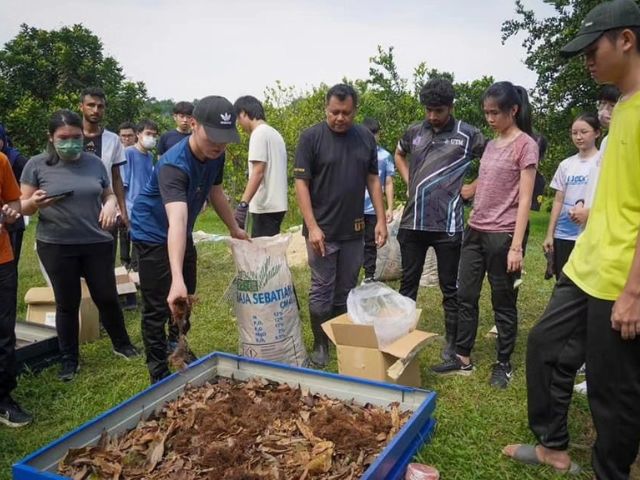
(70,220)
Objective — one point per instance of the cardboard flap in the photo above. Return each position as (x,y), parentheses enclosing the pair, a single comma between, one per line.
(411,342)
(125,288)
(134,277)
(355,335)
(39,295)
(342,331)
(121,274)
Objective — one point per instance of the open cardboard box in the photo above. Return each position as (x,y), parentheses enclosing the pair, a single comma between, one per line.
(360,355)
(121,274)
(41,308)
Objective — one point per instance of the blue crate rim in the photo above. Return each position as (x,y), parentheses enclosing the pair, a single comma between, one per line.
(426,407)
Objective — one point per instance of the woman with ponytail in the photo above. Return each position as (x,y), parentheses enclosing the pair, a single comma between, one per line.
(496,236)
(71,190)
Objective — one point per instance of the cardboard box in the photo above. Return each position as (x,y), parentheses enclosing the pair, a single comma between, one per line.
(359,354)
(134,277)
(121,274)
(126,288)
(41,308)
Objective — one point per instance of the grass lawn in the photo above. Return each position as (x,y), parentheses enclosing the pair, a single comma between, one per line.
(475,421)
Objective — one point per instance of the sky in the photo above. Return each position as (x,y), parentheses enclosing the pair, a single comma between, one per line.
(185,50)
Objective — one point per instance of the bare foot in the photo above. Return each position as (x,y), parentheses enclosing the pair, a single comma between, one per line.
(558,459)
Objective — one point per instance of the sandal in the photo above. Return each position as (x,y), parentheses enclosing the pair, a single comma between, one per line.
(527,454)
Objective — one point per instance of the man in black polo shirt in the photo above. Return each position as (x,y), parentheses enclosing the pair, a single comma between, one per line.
(440,149)
(335,162)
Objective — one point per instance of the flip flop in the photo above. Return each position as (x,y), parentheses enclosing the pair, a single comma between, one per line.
(527,454)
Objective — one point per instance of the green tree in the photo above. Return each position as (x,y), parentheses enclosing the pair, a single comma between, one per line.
(384,95)
(564,88)
(41,71)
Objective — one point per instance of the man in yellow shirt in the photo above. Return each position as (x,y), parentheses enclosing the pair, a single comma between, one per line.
(594,311)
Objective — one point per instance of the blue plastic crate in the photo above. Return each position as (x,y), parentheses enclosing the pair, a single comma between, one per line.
(389,465)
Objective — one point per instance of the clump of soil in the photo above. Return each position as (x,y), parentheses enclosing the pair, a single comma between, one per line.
(254,430)
(182,355)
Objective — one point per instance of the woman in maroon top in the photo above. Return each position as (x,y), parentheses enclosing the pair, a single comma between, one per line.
(495,238)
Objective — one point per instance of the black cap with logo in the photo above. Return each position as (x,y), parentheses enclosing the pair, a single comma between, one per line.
(217,116)
(603,17)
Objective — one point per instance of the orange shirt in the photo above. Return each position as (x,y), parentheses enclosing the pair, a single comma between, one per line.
(9,192)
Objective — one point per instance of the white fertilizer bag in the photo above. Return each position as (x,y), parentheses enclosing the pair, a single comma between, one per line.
(429,277)
(265,301)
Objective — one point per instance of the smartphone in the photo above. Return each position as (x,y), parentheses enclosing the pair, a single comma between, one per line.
(68,193)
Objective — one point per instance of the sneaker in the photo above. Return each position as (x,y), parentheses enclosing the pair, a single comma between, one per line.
(366,280)
(68,370)
(12,415)
(453,366)
(126,351)
(581,388)
(501,375)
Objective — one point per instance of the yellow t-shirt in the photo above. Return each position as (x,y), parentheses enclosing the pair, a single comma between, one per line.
(602,257)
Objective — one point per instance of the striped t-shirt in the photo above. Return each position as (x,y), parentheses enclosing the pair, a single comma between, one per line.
(438,162)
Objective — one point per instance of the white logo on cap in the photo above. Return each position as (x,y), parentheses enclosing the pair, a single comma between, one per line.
(588,24)
(226,118)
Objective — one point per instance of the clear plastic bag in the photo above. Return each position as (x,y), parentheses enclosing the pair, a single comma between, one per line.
(391,314)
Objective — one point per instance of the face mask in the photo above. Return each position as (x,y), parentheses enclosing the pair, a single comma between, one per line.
(69,149)
(148,142)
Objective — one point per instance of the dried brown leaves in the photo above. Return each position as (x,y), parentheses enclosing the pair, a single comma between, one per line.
(182,355)
(243,431)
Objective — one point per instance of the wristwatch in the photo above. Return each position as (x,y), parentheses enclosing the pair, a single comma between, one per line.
(243,204)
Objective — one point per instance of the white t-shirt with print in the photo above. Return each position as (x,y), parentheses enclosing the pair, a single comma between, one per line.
(572,177)
(267,145)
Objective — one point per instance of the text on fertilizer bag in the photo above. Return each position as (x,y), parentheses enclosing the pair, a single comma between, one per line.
(283,295)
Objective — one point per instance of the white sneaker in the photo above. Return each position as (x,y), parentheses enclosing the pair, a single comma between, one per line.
(581,388)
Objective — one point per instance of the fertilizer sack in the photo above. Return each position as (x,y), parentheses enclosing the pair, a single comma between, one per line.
(391,314)
(265,301)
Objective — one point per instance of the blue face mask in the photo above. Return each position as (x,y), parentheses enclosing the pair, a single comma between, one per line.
(69,149)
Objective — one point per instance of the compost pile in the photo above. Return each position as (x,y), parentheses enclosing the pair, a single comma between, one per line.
(254,430)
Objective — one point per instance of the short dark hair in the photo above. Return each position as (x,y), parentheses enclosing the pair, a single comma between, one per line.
(93,92)
(609,93)
(126,126)
(148,124)
(342,91)
(371,124)
(613,35)
(437,92)
(184,108)
(251,106)
(590,119)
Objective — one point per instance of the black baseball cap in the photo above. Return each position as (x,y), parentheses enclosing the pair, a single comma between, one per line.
(217,116)
(603,17)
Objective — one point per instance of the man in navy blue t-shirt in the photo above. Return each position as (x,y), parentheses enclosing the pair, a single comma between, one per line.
(182,113)
(165,212)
